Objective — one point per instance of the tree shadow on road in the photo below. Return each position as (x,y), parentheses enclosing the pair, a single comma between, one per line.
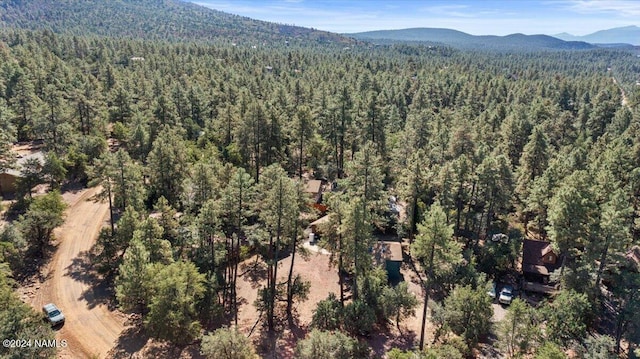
(254,272)
(33,266)
(100,289)
(487,348)
(73,187)
(135,343)
(382,341)
(131,341)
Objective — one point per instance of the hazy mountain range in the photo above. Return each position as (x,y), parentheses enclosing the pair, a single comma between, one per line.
(627,35)
(463,40)
(613,37)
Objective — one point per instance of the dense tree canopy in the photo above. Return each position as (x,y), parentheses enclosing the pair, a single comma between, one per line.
(202,150)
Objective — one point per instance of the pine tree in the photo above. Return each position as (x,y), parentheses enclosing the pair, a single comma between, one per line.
(436,251)
(8,135)
(571,217)
(151,234)
(567,317)
(519,329)
(279,212)
(329,345)
(24,104)
(411,187)
(237,205)
(399,303)
(203,184)
(167,165)
(251,135)
(614,228)
(365,181)
(121,109)
(128,182)
(468,313)
(345,119)
(296,287)
(53,124)
(101,173)
(304,131)
(44,214)
(334,234)
(226,343)
(177,288)
(533,162)
(495,186)
(20,321)
(133,282)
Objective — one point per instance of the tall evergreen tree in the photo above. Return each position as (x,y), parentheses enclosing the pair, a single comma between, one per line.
(279,212)
(167,166)
(133,281)
(468,313)
(238,200)
(614,232)
(519,330)
(8,135)
(436,251)
(571,216)
(533,162)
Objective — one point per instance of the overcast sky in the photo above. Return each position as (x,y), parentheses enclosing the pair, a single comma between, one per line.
(477,17)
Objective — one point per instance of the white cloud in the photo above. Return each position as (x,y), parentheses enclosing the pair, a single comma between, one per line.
(449,10)
(626,8)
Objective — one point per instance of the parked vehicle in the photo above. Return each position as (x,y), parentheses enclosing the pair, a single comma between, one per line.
(506,295)
(53,314)
(492,291)
(500,237)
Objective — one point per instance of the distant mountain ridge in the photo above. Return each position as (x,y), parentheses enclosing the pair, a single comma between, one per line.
(618,35)
(173,20)
(463,40)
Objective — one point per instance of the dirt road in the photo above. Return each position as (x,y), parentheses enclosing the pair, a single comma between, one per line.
(625,100)
(91,328)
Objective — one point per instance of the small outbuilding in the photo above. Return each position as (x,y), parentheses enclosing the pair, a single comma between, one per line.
(9,181)
(315,188)
(9,178)
(318,225)
(390,253)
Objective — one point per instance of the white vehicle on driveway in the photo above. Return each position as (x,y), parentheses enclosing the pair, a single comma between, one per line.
(506,295)
(53,314)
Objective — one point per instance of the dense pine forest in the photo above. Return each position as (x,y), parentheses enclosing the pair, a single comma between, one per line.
(202,150)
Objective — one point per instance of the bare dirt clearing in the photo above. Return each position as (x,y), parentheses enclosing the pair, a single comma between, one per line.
(324,280)
(91,328)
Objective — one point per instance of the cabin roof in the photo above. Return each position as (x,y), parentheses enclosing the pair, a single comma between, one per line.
(313,186)
(532,253)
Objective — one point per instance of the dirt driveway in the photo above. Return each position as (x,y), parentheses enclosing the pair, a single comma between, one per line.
(91,328)
(499,312)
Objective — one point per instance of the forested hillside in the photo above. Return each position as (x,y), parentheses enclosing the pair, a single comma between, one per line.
(216,141)
(152,19)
